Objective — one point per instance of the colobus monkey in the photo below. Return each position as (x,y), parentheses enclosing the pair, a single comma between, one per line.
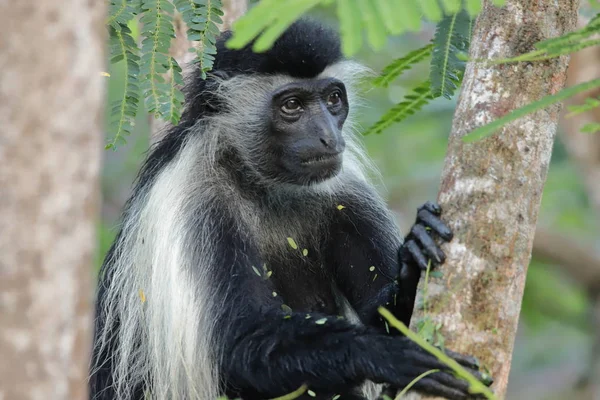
(253,252)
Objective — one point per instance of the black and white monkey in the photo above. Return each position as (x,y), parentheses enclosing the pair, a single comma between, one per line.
(203,294)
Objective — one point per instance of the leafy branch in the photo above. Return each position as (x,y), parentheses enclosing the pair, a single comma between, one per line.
(150,72)
(544,102)
(378,18)
(451,39)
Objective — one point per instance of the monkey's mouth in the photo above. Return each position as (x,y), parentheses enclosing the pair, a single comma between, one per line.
(321,160)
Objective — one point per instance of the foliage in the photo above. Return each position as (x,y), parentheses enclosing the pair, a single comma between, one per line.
(545,50)
(154,75)
(400,65)
(451,39)
(451,42)
(151,73)
(379,18)
(413,102)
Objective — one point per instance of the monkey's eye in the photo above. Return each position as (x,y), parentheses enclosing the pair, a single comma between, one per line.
(291,106)
(334,98)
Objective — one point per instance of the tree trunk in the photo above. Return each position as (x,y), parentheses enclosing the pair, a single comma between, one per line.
(491,189)
(51,98)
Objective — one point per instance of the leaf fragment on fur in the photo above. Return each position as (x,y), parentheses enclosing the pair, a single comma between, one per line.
(292,243)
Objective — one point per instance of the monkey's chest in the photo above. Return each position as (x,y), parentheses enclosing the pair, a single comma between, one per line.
(304,285)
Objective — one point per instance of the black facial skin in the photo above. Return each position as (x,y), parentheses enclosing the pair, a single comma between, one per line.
(305,135)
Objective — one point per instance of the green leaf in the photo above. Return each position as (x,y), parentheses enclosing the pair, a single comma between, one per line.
(123,48)
(547,101)
(398,66)
(202,18)
(451,38)
(499,3)
(413,102)
(376,33)
(292,243)
(246,28)
(591,127)
(589,104)
(409,15)
(389,16)
(451,6)
(432,10)
(350,26)
(294,9)
(473,7)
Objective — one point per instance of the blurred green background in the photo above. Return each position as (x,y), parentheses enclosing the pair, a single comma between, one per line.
(554,342)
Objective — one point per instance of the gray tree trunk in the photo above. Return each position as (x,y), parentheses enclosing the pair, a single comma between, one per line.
(491,189)
(51,98)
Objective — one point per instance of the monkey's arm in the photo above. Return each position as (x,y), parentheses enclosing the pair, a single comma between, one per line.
(268,353)
(373,267)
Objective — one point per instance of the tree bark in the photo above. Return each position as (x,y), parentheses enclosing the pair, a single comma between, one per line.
(491,189)
(51,98)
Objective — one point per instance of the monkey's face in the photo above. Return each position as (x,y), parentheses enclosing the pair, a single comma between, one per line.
(305,135)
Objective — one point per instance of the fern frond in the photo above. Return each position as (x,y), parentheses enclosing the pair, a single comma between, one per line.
(203,28)
(552,52)
(398,66)
(451,38)
(202,18)
(157,30)
(413,102)
(544,102)
(589,104)
(123,48)
(172,103)
(590,29)
(120,13)
(592,127)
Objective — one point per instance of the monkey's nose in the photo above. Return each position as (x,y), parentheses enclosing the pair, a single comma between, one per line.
(333,144)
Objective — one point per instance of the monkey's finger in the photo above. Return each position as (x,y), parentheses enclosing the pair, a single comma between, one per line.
(435,223)
(430,247)
(466,361)
(416,254)
(432,207)
(431,386)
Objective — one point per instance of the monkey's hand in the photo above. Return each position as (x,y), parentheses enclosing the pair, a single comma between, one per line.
(419,246)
